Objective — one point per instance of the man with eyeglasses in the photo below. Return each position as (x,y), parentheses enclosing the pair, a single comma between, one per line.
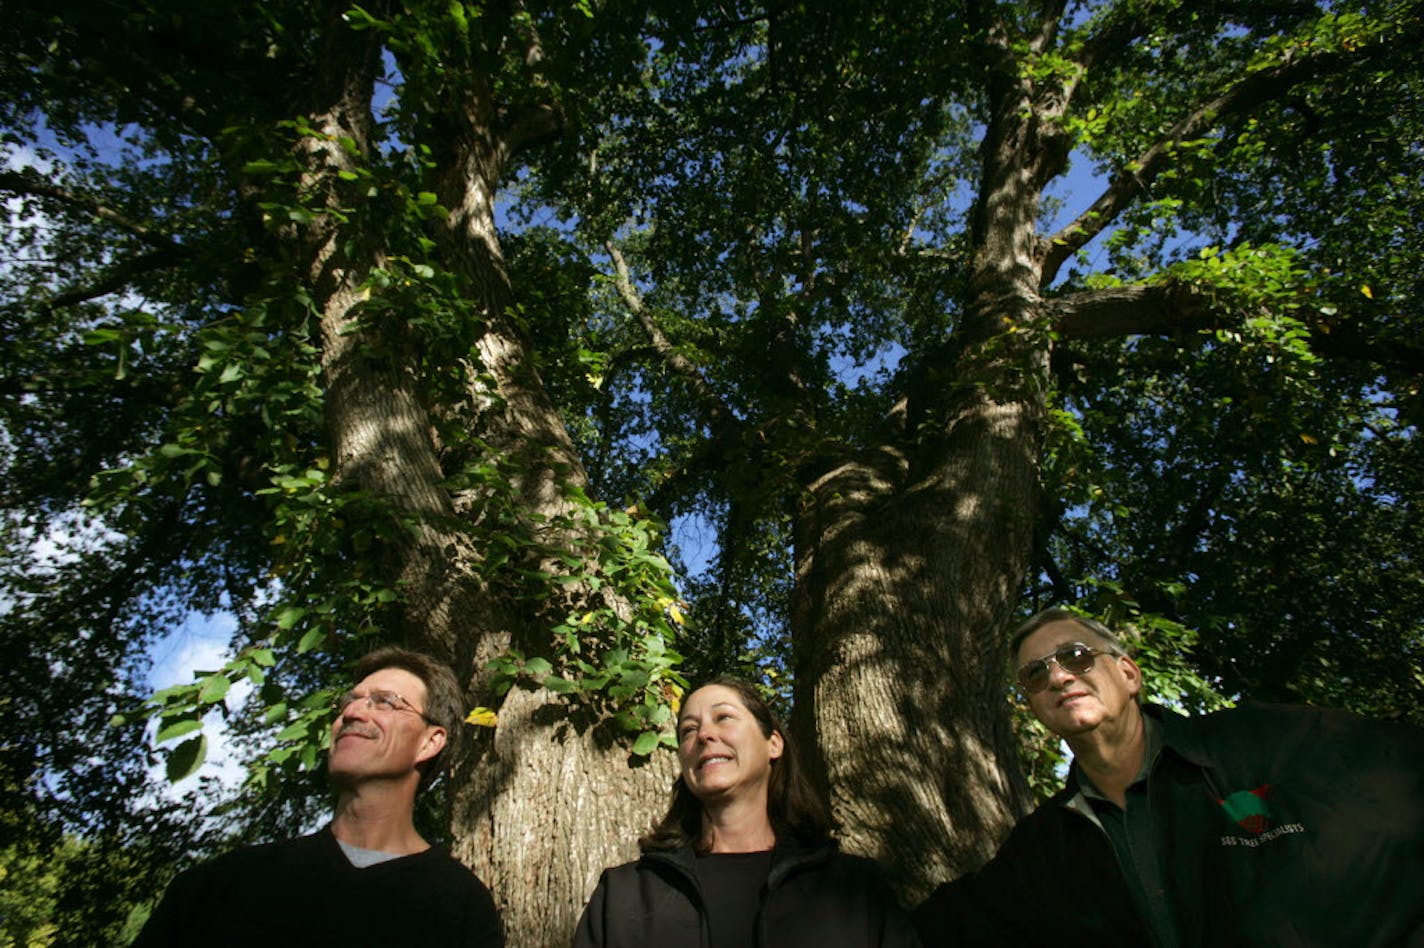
(368,877)
(1260,825)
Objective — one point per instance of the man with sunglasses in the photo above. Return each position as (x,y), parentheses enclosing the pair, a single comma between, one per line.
(1261,825)
(369,877)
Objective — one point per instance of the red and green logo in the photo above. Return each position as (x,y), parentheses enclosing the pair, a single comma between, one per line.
(1248,810)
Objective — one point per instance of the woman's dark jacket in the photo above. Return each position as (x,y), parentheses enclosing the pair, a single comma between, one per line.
(813,898)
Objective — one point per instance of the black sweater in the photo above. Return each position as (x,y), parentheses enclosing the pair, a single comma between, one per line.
(306,892)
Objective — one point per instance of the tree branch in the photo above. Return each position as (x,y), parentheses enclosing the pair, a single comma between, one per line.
(29,181)
(1062,589)
(1253,90)
(719,413)
(1347,340)
(529,126)
(1132,310)
(541,122)
(1165,308)
(117,277)
(1049,21)
(1116,32)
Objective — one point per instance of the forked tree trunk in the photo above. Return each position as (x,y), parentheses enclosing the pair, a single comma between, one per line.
(906,578)
(910,559)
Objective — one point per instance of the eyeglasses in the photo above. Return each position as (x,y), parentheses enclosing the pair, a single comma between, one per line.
(1075,658)
(380,700)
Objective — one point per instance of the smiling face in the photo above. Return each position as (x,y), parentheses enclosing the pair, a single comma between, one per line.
(1072,705)
(367,743)
(722,749)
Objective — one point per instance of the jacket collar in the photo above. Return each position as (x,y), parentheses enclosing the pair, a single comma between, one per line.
(1178,736)
(788,856)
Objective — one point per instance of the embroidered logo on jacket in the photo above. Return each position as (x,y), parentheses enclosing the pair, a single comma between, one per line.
(1248,809)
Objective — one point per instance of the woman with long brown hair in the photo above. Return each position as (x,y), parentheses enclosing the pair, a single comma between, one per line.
(744,856)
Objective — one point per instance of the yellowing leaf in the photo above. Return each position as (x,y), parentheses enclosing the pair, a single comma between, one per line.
(1368,293)
(1309,439)
(482,717)
(676,614)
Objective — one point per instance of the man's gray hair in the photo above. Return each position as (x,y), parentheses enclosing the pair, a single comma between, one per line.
(1060,614)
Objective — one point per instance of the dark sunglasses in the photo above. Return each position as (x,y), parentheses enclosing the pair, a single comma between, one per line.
(1075,658)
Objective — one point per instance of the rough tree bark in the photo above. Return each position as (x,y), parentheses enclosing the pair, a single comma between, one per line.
(910,557)
(549,798)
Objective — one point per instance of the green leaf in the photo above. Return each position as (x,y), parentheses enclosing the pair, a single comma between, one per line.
(177,728)
(311,640)
(214,689)
(102,336)
(560,685)
(187,757)
(646,743)
(633,677)
(261,167)
(293,732)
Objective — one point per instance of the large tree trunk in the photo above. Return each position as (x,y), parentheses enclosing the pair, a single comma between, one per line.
(546,802)
(906,578)
(551,797)
(910,559)
(548,798)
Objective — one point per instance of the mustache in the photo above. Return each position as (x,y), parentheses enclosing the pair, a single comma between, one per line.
(355,727)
